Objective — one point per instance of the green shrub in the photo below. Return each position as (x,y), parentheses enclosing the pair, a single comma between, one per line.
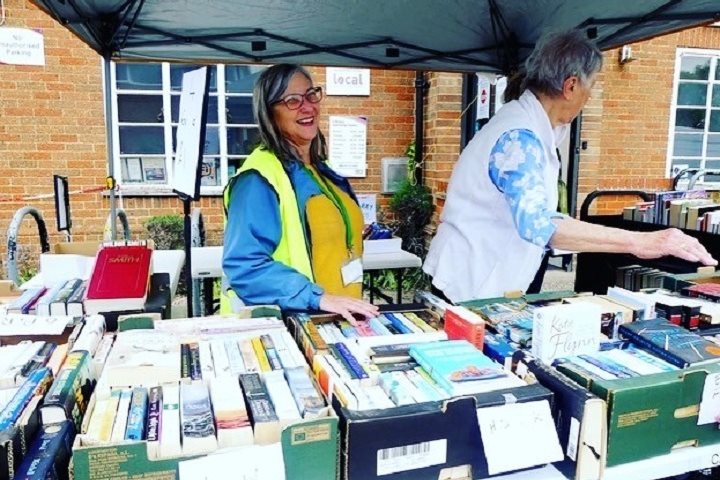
(168,234)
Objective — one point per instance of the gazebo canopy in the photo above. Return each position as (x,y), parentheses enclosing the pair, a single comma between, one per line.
(444,35)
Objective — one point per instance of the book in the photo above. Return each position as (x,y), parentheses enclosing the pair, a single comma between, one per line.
(670,342)
(461,322)
(135,429)
(38,360)
(43,304)
(197,425)
(154,422)
(308,399)
(36,384)
(102,419)
(266,427)
(231,416)
(68,397)
(121,418)
(102,353)
(565,330)
(74,304)
(143,357)
(281,397)
(49,454)
(58,306)
(170,422)
(90,335)
(25,303)
(133,264)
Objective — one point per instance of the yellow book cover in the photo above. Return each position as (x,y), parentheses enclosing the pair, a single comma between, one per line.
(261,355)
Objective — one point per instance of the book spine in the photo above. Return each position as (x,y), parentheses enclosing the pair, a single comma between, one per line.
(343,363)
(399,325)
(419,322)
(102,353)
(314,334)
(611,367)
(185,360)
(271,352)
(123,410)
(237,366)
(378,327)
(49,454)
(170,431)
(90,335)
(643,342)
(350,360)
(38,360)
(136,417)
(68,389)
(195,367)
(261,355)
(258,399)
(36,384)
(197,424)
(154,417)
(285,355)
(307,398)
(248,355)
(207,367)
(281,397)
(220,358)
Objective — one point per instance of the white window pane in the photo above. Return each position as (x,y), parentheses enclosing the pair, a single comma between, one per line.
(690,120)
(141,140)
(135,76)
(212,116)
(212,140)
(140,108)
(694,68)
(241,141)
(687,145)
(241,78)
(239,110)
(692,94)
(210,172)
(177,71)
(713,145)
(143,169)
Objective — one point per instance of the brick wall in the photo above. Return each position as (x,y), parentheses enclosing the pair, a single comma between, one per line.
(628,147)
(53,123)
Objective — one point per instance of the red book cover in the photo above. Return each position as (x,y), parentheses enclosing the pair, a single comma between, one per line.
(461,323)
(121,273)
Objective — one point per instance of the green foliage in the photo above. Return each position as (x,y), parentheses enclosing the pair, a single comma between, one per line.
(412,206)
(27,264)
(166,231)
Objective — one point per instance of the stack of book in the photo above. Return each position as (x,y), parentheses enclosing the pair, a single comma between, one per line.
(189,387)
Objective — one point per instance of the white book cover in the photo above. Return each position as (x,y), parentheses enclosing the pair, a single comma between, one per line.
(102,353)
(281,396)
(237,366)
(231,416)
(143,357)
(118,431)
(170,432)
(565,330)
(207,366)
(248,355)
(90,335)
(220,358)
(196,419)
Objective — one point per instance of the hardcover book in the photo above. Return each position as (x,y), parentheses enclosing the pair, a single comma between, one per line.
(565,330)
(49,455)
(69,394)
(670,342)
(119,280)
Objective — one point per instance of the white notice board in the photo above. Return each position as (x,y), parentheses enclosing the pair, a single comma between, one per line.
(186,167)
(348,145)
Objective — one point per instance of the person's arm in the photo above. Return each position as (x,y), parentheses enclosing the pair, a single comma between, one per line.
(252,234)
(572,234)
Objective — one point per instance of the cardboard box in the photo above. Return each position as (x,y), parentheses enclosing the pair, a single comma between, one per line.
(447,431)
(89,249)
(310,450)
(652,414)
(384,245)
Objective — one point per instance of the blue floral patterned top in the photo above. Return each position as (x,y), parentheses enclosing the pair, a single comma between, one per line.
(516,170)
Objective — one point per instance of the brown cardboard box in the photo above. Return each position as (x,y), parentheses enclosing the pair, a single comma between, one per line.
(77,248)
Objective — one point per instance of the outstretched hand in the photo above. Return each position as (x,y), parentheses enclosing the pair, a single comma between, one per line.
(672,242)
(346,306)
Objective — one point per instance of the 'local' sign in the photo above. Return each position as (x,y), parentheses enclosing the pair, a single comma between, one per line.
(21,46)
(347,81)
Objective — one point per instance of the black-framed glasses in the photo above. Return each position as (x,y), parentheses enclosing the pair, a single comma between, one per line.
(296,100)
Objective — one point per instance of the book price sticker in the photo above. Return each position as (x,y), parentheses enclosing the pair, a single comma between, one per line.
(710,403)
(519,427)
(411,457)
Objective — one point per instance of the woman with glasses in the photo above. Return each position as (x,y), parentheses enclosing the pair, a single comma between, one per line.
(293,235)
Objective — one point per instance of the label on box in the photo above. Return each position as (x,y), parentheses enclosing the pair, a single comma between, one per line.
(411,457)
(519,427)
(309,433)
(710,403)
(573,438)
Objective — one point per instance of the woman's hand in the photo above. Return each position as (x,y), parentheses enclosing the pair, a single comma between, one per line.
(672,242)
(346,306)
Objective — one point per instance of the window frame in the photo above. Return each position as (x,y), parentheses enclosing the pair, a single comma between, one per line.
(168,125)
(714,56)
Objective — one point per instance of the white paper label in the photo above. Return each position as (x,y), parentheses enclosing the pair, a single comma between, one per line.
(519,427)
(573,439)
(352,272)
(411,457)
(710,403)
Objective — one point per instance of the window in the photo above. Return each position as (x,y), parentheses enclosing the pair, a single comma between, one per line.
(146,101)
(694,140)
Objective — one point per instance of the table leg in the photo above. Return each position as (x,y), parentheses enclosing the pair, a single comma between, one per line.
(399,285)
(208,295)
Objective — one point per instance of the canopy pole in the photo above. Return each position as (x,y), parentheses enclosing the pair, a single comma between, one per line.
(419,124)
(107,91)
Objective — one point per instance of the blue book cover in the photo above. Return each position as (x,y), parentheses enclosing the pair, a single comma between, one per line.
(35,384)
(670,342)
(497,348)
(49,454)
(135,429)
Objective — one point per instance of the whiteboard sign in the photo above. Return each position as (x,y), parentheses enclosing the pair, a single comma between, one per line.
(347,81)
(21,46)
(368,205)
(348,145)
(186,169)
